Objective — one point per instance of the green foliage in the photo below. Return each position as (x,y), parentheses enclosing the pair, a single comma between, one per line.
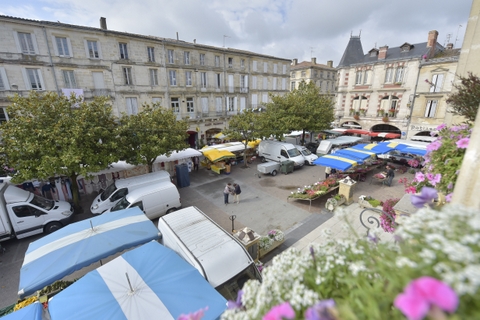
(50,135)
(466,100)
(301,109)
(150,133)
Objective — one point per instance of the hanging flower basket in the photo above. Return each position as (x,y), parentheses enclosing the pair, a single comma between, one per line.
(356,117)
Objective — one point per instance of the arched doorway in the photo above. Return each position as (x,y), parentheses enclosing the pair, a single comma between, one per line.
(192,139)
(351,125)
(425,136)
(385,131)
(210,133)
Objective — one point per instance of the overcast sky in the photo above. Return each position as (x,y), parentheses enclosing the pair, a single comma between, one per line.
(283,28)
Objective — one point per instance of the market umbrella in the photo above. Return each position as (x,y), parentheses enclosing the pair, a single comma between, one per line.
(149,282)
(387,135)
(31,312)
(220,136)
(357,131)
(379,148)
(80,244)
(215,155)
(336,162)
(355,154)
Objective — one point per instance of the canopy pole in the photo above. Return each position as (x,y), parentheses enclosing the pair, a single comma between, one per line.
(91,225)
(129,284)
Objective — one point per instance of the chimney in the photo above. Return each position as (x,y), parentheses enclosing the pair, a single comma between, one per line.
(449,46)
(314,60)
(194,40)
(382,53)
(295,61)
(330,63)
(103,23)
(432,43)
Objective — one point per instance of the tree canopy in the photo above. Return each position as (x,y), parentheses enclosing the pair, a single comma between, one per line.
(49,135)
(466,100)
(301,109)
(152,132)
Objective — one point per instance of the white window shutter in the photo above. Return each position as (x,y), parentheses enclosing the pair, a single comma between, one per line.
(355,104)
(55,46)
(246,81)
(3,75)
(235,108)
(384,104)
(284,84)
(254,100)
(242,103)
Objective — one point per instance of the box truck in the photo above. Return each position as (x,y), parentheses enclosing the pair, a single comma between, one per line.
(120,188)
(219,257)
(24,214)
(280,151)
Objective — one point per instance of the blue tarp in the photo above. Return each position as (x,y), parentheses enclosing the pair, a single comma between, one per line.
(353,153)
(30,312)
(335,162)
(149,282)
(78,245)
(379,148)
(420,152)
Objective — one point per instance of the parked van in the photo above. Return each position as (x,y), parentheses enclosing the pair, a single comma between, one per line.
(329,145)
(307,154)
(120,188)
(279,151)
(219,257)
(155,199)
(24,214)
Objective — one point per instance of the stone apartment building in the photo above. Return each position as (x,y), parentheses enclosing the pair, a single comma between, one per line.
(324,76)
(400,90)
(205,83)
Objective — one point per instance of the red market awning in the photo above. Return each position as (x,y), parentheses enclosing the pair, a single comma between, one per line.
(357,131)
(387,135)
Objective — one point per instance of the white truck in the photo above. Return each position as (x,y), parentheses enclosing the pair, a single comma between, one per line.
(280,151)
(24,214)
(219,257)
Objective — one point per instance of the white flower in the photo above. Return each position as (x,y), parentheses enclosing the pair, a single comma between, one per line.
(405,262)
(356,267)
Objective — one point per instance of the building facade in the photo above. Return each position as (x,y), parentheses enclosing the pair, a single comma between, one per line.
(400,90)
(204,83)
(324,76)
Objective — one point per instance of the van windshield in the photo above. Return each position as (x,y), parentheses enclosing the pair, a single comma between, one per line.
(42,202)
(230,288)
(108,192)
(306,152)
(122,204)
(293,153)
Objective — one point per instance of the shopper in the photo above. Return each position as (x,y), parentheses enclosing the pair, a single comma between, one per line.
(228,189)
(236,193)
(328,170)
(390,176)
(195,163)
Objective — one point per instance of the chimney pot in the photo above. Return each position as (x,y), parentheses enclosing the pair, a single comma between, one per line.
(330,63)
(382,52)
(314,60)
(103,23)
(432,43)
(295,61)
(449,46)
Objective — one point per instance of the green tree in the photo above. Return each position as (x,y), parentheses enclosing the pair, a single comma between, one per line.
(50,135)
(150,133)
(466,100)
(301,109)
(245,126)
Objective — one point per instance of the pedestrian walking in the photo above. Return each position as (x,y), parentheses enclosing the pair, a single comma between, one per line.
(328,170)
(236,193)
(195,163)
(228,189)
(390,176)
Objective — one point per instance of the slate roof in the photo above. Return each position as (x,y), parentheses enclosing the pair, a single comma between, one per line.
(308,64)
(354,53)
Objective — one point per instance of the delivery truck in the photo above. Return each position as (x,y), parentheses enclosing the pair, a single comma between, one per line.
(24,214)
(219,257)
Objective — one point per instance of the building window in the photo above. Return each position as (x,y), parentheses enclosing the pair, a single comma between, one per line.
(203,80)
(388,75)
(218,77)
(190,106)
(3,115)
(399,75)
(254,66)
(436,83)
(69,79)
(127,75)
(304,74)
(26,43)
(62,46)
(92,48)
(172,77)
(431,108)
(171,57)
(292,74)
(274,83)
(292,85)
(230,62)
(132,106)
(231,103)
(217,61)
(123,51)
(3,80)
(242,63)
(358,77)
(321,74)
(35,79)
(188,78)
(366,77)
(202,59)
(275,68)
(153,77)
(151,54)
(265,83)
(175,105)
(254,82)
(243,82)
(186,57)
(156,101)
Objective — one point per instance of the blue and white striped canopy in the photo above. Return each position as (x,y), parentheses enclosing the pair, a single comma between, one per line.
(31,312)
(336,162)
(149,282)
(80,244)
(355,154)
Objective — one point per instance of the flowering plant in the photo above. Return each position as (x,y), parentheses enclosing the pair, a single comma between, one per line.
(433,265)
(315,190)
(276,235)
(265,242)
(443,160)
(387,219)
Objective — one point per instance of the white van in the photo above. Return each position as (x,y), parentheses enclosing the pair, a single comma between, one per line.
(219,257)
(155,199)
(279,151)
(120,188)
(307,154)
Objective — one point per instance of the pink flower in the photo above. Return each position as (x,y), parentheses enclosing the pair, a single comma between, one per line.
(423,293)
(434,179)
(435,145)
(197,315)
(411,190)
(463,143)
(448,197)
(419,176)
(442,126)
(280,312)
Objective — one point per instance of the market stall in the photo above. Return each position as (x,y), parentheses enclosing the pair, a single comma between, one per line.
(217,160)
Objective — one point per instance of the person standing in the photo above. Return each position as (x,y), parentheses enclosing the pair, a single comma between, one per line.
(228,189)
(390,176)
(328,170)
(195,163)
(236,193)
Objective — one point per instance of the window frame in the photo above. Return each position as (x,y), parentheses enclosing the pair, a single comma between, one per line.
(127,76)
(202,59)
(358,77)
(188,78)
(172,78)
(203,80)
(153,77)
(38,77)
(123,49)
(399,73)
(190,105)
(68,76)
(218,78)
(437,82)
(30,44)
(430,106)
(175,104)
(231,104)
(389,75)
(217,61)
(186,57)
(151,54)
(4,80)
(242,63)
(230,62)
(64,45)
(92,50)
(133,106)
(170,56)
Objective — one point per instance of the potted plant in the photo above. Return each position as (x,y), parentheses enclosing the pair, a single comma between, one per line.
(363,111)
(334,202)
(381,112)
(368,202)
(385,118)
(356,116)
(351,111)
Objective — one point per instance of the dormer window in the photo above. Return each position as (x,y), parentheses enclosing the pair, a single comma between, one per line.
(406,47)
(373,53)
